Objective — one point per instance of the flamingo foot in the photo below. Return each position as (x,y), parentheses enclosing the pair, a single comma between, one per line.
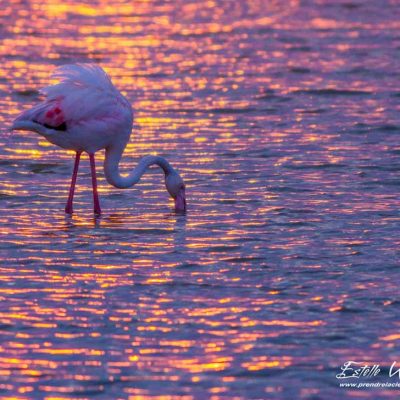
(68,207)
(96,201)
(97,209)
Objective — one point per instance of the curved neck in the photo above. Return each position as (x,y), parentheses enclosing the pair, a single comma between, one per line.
(113,176)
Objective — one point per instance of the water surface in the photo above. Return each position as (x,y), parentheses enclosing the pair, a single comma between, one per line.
(283,118)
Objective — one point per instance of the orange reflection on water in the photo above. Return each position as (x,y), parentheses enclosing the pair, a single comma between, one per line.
(248,101)
(263,362)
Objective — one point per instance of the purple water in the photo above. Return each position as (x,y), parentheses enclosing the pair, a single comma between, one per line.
(283,118)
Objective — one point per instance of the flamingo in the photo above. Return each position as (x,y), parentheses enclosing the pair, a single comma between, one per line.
(85,112)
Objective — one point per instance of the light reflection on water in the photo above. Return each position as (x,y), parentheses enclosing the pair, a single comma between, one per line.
(283,121)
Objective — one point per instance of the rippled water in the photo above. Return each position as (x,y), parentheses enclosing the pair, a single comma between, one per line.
(283,118)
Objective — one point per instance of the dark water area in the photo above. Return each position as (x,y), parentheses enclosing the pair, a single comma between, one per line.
(283,119)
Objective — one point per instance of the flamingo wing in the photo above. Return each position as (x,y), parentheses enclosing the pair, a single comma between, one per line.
(48,113)
(84,95)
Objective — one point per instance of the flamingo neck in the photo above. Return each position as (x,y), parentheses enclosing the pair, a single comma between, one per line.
(113,176)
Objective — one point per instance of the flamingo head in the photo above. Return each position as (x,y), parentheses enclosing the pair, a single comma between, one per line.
(176,188)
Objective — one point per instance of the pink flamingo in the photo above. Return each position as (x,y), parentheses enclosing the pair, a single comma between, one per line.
(86,113)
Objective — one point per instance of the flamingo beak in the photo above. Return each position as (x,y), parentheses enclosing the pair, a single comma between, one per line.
(180,201)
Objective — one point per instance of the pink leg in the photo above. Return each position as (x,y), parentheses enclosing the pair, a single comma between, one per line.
(68,207)
(96,202)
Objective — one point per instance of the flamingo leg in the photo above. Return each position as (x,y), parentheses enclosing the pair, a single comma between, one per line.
(96,202)
(68,207)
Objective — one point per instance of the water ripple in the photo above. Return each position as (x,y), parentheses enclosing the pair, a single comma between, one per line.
(282,118)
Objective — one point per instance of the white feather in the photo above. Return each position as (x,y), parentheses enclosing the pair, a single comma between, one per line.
(94,111)
(85,91)
(77,77)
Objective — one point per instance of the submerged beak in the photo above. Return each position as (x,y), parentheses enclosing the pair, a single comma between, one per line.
(180,201)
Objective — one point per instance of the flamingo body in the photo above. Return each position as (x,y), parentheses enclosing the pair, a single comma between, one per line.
(91,112)
(84,112)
